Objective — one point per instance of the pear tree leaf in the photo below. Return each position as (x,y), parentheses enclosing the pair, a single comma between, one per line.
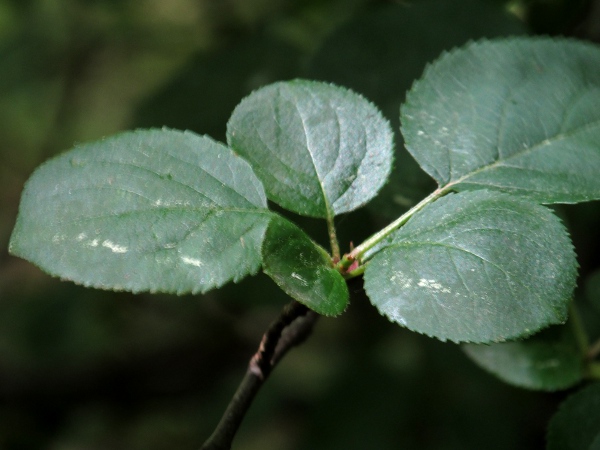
(319,149)
(152,210)
(519,115)
(477,266)
(550,360)
(576,425)
(414,34)
(303,269)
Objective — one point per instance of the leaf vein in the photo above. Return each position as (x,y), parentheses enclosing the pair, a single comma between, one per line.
(536,147)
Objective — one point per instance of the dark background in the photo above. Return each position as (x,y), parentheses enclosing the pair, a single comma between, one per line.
(85,369)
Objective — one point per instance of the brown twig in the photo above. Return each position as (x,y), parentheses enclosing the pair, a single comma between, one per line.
(292,327)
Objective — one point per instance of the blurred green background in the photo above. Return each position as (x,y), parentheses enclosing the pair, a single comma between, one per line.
(84,369)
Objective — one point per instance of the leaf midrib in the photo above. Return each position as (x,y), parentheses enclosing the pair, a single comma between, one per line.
(499,163)
(208,211)
(173,179)
(328,208)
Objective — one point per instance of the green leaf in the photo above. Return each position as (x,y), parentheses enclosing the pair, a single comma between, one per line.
(576,425)
(550,360)
(517,115)
(477,266)
(319,149)
(303,269)
(414,34)
(155,210)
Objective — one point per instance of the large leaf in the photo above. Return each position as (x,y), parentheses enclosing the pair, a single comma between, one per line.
(382,51)
(576,425)
(550,360)
(478,267)
(156,210)
(319,149)
(303,269)
(518,115)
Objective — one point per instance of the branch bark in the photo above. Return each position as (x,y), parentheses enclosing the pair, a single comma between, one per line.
(292,328)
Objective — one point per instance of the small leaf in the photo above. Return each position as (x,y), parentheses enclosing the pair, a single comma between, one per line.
(154,210)
(475,267)
(576,425)
(517,115)
(303,269)
(319,149)
(550,360)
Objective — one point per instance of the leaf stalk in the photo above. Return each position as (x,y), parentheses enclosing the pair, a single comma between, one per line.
(358,252)
(333,242)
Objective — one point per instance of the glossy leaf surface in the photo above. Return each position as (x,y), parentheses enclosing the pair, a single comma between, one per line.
(155,210)
(303,269)
(319,149)
(576,425)
(517,115)
(414,34)
(477,267)
(550,360)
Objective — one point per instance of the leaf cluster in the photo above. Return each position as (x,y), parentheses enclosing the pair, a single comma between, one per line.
(504,127)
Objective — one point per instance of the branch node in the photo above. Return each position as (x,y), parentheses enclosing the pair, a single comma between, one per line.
(292,327)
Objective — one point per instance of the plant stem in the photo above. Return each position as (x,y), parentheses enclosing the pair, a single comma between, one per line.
(292,327)
(375,239)
(335,246)
(578,329)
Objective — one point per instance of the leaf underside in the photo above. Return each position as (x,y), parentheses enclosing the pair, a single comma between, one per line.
(548,361)
(319,149)
(519,115)
(303,269)
(153,210)
(477,266)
